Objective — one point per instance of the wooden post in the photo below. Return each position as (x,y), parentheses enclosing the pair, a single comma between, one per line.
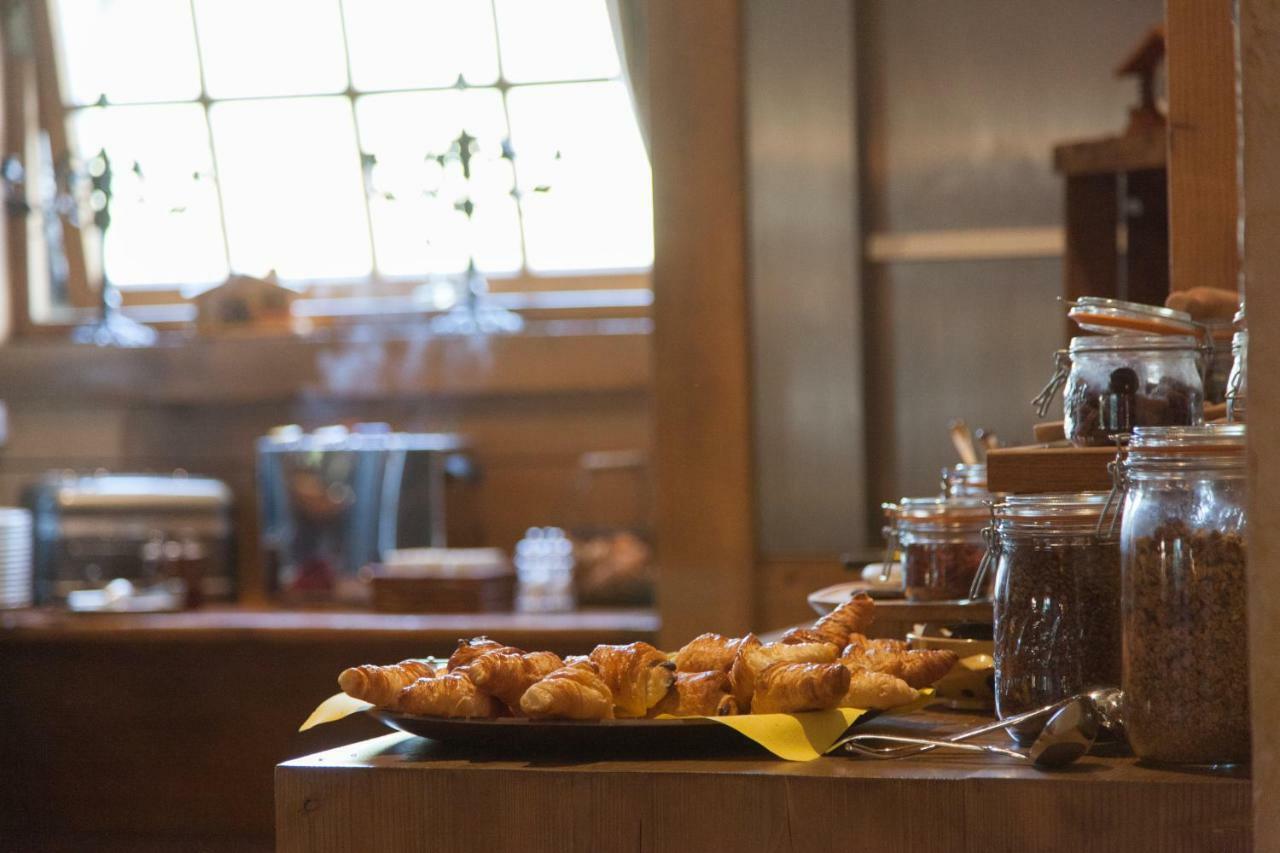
(1202,144)
(15,79)
(702,401)
(1260,102)
(53,120)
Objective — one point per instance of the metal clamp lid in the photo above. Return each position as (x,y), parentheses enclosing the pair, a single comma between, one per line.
(1061,372)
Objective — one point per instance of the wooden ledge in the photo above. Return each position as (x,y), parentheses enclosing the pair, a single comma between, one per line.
(364,363)
(237,625)
(395,788)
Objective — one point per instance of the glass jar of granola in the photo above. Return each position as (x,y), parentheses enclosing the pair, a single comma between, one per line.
(1186,670)
(1057,602)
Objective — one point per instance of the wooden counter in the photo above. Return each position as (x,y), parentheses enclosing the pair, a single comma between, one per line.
(160,731)
(398,792)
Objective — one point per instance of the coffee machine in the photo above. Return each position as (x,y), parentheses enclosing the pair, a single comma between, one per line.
(330,504)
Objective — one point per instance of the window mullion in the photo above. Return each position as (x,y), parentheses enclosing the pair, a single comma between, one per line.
(205,103)
(504,86)
(355,124)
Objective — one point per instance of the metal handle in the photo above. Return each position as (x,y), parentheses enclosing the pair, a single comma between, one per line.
(890,531)
(858,744)
(1109,517)
(992,541)
(978,731)
(1061,371)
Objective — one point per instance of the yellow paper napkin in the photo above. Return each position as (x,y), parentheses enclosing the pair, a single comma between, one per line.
(793,737)
(334,708)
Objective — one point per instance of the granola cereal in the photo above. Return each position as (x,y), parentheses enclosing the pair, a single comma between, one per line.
(1186,670)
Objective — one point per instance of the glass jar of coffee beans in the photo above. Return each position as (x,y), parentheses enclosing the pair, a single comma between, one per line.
(1186,670)
(1057,602)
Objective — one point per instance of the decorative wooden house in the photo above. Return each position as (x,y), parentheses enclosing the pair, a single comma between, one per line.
(244,303)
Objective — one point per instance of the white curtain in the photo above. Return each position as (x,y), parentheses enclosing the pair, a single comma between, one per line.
(630,35)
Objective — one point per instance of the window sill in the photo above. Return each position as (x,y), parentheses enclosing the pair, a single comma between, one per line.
(360,361)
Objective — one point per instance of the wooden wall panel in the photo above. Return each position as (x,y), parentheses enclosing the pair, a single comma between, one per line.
(702,403)
(1260,73)
(528,451)
(1203,235)
(805,258)
(964,101)
(969,339)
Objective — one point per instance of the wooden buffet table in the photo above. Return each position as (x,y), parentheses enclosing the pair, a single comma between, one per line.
(398,792)
(160,731)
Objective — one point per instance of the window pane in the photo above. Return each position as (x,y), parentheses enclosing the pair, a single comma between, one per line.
(271,47)
(127,50)
(290,174)
(402,44)
(417,229)
(555,40)
(598,212)
(165,226)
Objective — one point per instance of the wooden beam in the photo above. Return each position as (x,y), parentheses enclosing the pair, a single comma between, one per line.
(15,80)
(702,399)
(1202,144)
(1260,101)
(53,120)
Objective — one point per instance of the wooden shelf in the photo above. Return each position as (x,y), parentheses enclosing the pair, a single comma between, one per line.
(1036,469)
(434,633)
(389,791)
(1112,154)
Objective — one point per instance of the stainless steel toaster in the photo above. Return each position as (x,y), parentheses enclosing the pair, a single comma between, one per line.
(91,529)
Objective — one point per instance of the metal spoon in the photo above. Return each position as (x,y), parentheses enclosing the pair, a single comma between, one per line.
(1067,736)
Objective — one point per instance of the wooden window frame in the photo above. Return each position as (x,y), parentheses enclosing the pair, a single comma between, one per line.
(577,293)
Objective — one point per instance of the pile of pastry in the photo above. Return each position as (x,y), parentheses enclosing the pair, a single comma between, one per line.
(830,664)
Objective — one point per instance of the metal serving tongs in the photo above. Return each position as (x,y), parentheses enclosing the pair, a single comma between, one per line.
(1069,733)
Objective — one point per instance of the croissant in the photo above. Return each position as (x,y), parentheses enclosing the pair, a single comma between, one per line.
(698,694)
(469,650)
(859,644)
(803,635)
(876,691)
(380,685)
(786,688)
(752,659)
(917,667)
(573,692)
(638,675)
(507,676)
(707,653)
(853,617)
(451,695)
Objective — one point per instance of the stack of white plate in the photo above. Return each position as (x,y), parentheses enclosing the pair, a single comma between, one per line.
(15,557)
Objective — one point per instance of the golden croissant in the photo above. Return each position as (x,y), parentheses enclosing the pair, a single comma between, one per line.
(859,644)
(507,676)
(451,695)
(707,653)
(876,691)
(752,658)
(917,667)
(380,685)
(698,694)
(853,617)
(787,688)
(573,692)
(637,674)
(803,634)
(469,650)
